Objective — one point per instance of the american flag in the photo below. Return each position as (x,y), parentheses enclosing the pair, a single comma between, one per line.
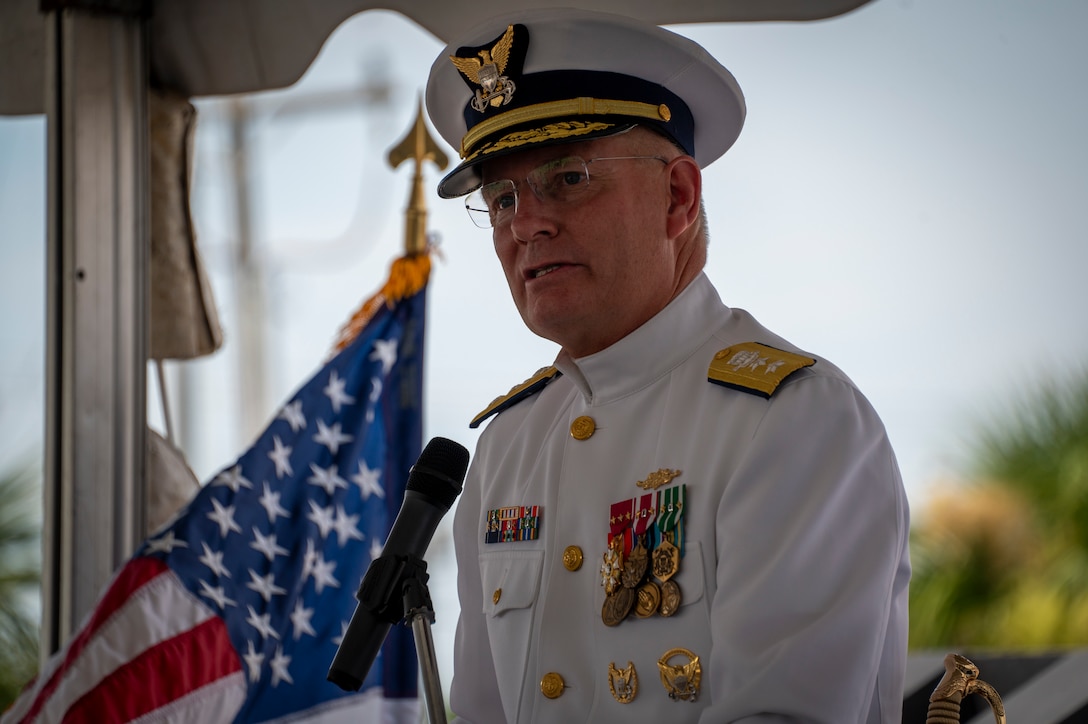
(234,611)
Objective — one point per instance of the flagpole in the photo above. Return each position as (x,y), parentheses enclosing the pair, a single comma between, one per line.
(418,146)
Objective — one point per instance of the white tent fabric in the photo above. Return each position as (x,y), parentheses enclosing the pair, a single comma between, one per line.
(216,47)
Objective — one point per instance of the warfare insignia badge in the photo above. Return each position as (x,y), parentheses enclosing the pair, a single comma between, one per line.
(681,681)
(623,683)
(484,69)
(658,478)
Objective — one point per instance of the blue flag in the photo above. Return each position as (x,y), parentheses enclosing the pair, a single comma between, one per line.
(236,608)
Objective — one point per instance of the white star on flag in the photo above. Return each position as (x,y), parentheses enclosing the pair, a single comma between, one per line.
(368,481)
(335,392)
(267,544)
(345,526)
(214,561)
(292,412)
(253,660)
(224,516)
(322,517)
(280,455)
(167,543)
(263,624)
(300,619)
(270,501)
(330,436)
(233,479)
(216,594)
(326,478)
(279,664)
(386,351)
(264,585)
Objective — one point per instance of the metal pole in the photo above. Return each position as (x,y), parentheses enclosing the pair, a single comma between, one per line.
(96,309)
(249,282)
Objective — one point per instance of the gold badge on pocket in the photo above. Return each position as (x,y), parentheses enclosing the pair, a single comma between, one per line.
(681,681)
(623,683)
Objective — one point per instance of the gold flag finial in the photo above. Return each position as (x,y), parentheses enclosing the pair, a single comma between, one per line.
(419,146)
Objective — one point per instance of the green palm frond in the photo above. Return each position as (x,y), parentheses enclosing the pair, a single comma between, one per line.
(1002,560)
(20,576)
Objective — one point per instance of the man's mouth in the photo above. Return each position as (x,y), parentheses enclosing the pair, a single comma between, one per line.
(537,273)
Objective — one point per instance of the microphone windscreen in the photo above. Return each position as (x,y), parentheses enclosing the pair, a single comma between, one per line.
(439,473)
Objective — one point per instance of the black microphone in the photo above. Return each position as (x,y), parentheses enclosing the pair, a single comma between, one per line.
(434,482)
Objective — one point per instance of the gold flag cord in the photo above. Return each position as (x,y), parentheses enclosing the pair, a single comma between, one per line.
(407,276)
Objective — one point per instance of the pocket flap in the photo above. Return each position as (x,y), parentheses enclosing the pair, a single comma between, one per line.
(510,579)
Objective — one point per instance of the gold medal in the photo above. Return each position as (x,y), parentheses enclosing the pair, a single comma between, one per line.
(623,683)
(611,568)
(634,568)
(670,598)
(647,599)
(666,559)
(617,606)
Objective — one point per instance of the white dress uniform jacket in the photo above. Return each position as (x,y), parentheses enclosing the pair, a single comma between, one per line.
(795,572)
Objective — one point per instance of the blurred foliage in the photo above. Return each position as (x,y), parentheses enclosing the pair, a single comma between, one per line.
(1001,559)
(20,578)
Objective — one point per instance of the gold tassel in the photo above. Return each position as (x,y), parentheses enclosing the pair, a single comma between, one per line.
(407,276)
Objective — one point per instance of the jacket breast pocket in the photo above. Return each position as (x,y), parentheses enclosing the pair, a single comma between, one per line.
(511,582)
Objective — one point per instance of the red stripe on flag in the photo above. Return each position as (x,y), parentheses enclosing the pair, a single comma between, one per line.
(160,675)
(136,573)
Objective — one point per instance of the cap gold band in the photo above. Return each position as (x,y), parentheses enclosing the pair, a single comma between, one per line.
(558,109)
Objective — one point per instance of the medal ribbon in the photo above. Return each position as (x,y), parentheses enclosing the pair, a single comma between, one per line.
(621,516)
(670,513)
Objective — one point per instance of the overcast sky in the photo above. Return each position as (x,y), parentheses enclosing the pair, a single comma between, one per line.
(907,199)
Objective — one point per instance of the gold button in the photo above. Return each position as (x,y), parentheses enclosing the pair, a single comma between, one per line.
(583,428)
(496,595)
(572,558)
(552,685)
(664,113)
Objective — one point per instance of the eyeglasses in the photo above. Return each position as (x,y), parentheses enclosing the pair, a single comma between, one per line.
(562,181)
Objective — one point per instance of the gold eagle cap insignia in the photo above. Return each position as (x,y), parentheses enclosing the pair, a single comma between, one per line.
(486,69)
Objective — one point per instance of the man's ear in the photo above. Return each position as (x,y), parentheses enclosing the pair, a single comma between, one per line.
(685,190)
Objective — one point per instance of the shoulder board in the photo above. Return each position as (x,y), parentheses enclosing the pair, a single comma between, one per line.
(516,394)
(754,368)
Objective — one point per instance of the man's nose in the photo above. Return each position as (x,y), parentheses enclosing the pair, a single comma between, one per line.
(533,217)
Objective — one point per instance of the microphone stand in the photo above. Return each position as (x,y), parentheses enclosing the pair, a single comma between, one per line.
(420,612)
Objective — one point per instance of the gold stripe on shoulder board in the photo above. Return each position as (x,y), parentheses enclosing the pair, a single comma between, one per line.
(755,368)
(516,394)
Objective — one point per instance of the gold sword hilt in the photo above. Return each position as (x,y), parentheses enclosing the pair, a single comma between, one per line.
(960,680)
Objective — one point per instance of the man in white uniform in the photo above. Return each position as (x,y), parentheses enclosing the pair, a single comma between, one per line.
(685,518)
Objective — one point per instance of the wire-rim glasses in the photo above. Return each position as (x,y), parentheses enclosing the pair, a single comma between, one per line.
(561,181)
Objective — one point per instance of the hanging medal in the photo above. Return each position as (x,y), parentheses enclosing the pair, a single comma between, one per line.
(619,599)
(670,548)
(637,562)
(620,519)
(647,593)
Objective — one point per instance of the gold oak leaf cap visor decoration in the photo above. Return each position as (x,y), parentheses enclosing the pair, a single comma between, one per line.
(560,75)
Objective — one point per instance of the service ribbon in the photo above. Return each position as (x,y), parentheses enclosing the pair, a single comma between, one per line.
(670,513)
